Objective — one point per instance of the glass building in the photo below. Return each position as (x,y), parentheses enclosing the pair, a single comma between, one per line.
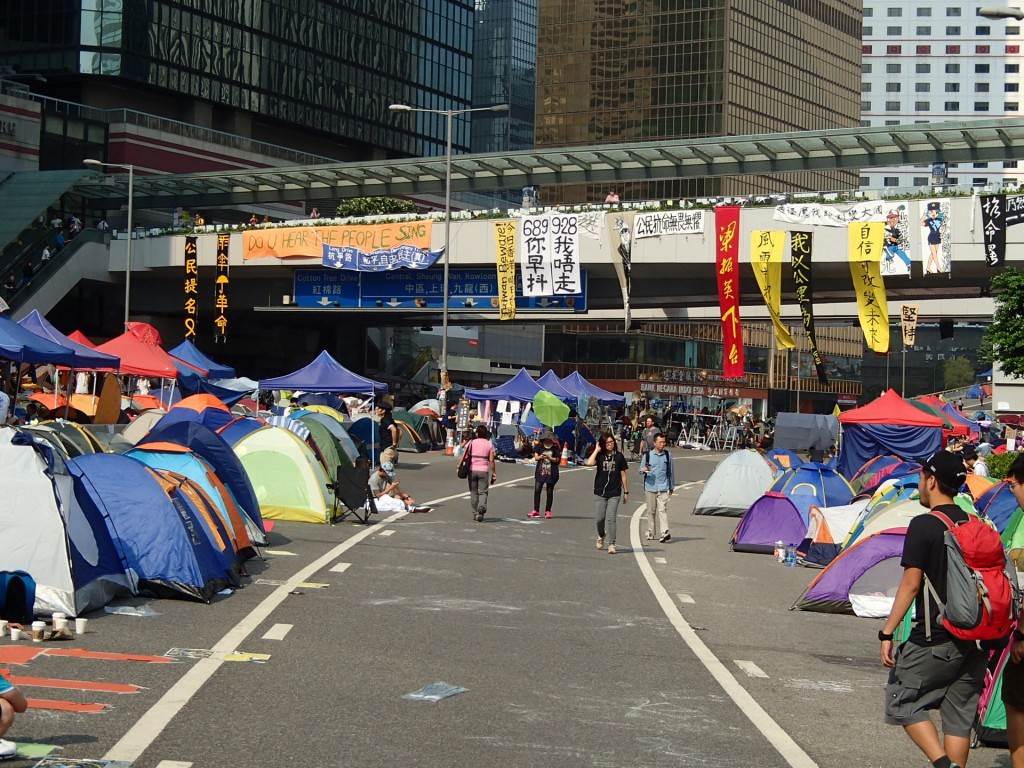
(620,71)
(312,74)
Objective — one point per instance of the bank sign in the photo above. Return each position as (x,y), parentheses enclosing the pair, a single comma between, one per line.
(471,290)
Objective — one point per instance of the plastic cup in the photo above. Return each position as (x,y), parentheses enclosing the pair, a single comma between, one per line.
(15,633)
(59,624)
(3,627)
(38,627)
(80,625)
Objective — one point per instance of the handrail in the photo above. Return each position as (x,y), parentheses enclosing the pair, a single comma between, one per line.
(49,268)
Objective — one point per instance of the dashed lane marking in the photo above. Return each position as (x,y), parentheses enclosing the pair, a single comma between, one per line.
(660,560)
(751,669)
(278,632)
(387,532)
(340,567)
(685,598)
(173,764)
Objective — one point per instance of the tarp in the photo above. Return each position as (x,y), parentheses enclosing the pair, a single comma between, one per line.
(954,415)
(803,431)
(737,482)
(550,382)
(574,382)
(81,338)
(771,518)
(887,425)
(188,353)
(23,346)
(86,357)
(325,374)
(520,388)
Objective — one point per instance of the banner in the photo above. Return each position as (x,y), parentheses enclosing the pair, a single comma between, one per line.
(830,215)
(865,253)
(908,316)
(895,261)
(220,288)
(361,247)
(727,254)
(620,236)
(937,243)
(550,246)
(191,287)
(669,223)
(766,259)
(803,279)
(505,237)
(997,213)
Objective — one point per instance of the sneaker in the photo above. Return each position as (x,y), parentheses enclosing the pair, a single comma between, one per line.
(548,515)
(600,542)
(534,513)
(8,749)
(649,535)
(479,518)
(421,509)
(611,549)
(665,537)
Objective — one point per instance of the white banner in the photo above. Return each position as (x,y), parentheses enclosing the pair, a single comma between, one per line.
(668,223)
(549,248)
(937,243)
(831,215)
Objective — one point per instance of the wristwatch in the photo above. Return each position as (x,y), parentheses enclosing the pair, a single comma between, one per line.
(882,636)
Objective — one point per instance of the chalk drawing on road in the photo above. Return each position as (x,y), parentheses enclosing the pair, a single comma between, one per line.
(834,686)
(445,604)
(516,520)
(751,669)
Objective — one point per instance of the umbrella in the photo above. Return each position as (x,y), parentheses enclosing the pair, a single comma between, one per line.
(549,410)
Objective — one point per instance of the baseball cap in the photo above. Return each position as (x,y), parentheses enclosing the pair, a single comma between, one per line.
(389,468)
(970,452)
(947,468)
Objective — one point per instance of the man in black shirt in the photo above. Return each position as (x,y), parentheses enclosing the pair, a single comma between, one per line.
(1013,672)
(932,669)
(388,434)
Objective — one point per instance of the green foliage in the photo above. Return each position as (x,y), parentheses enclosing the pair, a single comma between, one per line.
(1004,338)
(374,206)
(998,463)
(957,372)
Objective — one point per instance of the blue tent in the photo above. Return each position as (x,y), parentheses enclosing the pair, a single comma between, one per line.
(239,428)
(85,357)
(954,415)
(997,504)
(520,388)
(824,483)
(551,383)
(975,392)
(784,458)
(576,383)
(367,430)
(325,374)
(165,545)
(187,352)
(191,383)
(23,346)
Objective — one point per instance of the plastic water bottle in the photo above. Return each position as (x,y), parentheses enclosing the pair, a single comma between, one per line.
(791,556)
(780,550)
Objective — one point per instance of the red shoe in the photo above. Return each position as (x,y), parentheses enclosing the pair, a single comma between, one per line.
(548,514)
(534,513)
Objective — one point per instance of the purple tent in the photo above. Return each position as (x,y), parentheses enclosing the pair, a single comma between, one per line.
(325,374)
(576,383)
(551,383)
(86,358)
(773,517)
(520,388)
(869,566)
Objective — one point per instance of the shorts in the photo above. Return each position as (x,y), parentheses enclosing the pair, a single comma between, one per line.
(1012,692)
(947,676)
(5,685)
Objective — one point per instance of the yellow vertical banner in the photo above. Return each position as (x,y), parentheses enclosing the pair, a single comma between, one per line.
(865,252)
(505,235)
(766,259)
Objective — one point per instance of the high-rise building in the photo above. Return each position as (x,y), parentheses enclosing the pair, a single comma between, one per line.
(613,72)
(935,61)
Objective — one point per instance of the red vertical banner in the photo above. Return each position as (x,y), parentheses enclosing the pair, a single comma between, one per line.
(727,257)
(191,287)
(220,289)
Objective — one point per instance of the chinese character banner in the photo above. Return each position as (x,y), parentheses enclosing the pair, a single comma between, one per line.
(220,288)
(191,287)
(505,239)
(800,246)
(669,223)
(908,317)
(997,213)
(865,253)
(549,254)
(766,260)
(727,253)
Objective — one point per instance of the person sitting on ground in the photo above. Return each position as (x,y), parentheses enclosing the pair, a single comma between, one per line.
(12,701)
(388,494)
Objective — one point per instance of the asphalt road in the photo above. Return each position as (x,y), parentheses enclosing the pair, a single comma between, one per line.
(665,655)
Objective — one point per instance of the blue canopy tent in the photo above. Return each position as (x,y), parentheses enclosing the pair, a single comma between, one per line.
(887,425)
(551,383)
(955,416)
(191,383)
(23,346)
(576,383)
(188,353)
(520,388)
(86,358)
(325,374)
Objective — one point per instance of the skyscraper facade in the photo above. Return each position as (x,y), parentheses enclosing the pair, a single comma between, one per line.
(617,72)
(936,61)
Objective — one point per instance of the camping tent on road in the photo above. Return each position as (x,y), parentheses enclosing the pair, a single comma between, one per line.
(737,482)
(887,425)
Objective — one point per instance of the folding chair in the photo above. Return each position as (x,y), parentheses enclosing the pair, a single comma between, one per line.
(352,493)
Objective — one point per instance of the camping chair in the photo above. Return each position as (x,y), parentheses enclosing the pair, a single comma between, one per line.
(351,491)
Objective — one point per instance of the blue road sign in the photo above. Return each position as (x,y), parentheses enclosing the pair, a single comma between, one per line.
(472,289)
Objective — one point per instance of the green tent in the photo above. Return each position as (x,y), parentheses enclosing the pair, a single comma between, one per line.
(332,454)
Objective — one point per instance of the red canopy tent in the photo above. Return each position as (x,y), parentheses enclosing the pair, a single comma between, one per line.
(82,339)
(890,408)
(141,354)
(887,425)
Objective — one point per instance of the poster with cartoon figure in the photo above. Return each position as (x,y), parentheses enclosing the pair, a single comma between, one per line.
(895,261)
(936,240)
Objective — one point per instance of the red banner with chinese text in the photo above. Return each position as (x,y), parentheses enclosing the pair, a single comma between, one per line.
(190,286)
(727,257)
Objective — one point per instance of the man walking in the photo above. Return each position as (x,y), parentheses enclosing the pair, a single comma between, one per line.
(1013,672)
(932,670)
(659,484)
(388,434)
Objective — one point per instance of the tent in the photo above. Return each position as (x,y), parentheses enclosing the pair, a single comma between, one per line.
(737,482)
(947,424)
(771,518)
(783,458)
(824,483)
(990,724)
(350,450)
(204,409)
(952,413)
(23,346)
(827,530)
(187,352)
(861,580)
(63,545)
(997,504)
(550,382)
(140,353)
(142,424)
(872,466)
(882,517)
(290,483)
(887,425)
(86,357)
(167,549)
(520,388)
(81,338)
(901,470)
(367,430)
(577,384)
(803,431)
(977,485)
(325,374)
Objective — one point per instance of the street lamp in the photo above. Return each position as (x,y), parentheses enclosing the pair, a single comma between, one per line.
(995,12)
(449,114)
(128,250)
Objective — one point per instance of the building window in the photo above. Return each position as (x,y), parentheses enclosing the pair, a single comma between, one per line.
(894,12)
(894,31)
(952,106)
(952,69)
(952,31)
(865,49)
(866,68)
(981,87)
(922,87)
(920,181)
(1011,106)
(983,30)
(1010,164)
(1012,69)
(892,106)
(979,165)
(891,181)
(952,87)
(865,181)
(865,106)
(1013,49)
(894,50)
(979,181)
(892,122)
(953,11)
(869,12)
(924,32)
(924,49)
(865,87)
(1011,87)
(893,87)
(981,69)
(922,106)
(983,49)
(865,123)
(953,49)
(923,69)
(893,69)
(1012,31)
(981,106)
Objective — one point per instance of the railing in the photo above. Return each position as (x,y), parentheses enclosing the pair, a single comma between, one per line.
(48,268)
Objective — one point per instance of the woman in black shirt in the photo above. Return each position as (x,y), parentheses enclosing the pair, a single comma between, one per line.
(610,484)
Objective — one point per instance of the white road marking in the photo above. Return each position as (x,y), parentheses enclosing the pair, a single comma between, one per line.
(340,567)
(685,598)
(387,532)
(782,741)
(173,764)
(278,632)
(751,669)
(660,560)
(281,553)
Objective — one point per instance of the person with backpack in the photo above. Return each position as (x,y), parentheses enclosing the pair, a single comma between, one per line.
(548,454)
(1013,672)
(934,668)
(659,484)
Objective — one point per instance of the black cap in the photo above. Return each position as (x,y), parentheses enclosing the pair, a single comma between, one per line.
(970,452)
(946,467)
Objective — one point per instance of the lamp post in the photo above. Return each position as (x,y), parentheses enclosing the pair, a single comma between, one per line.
(995,12)
(128,249)
(449,114)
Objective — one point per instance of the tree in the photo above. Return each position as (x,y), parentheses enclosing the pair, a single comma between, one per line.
(1004,338)
(375,206)
(957,372)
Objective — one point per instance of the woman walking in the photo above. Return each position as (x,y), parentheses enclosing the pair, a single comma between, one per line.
(547,453)
(610,484)
(480,457)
